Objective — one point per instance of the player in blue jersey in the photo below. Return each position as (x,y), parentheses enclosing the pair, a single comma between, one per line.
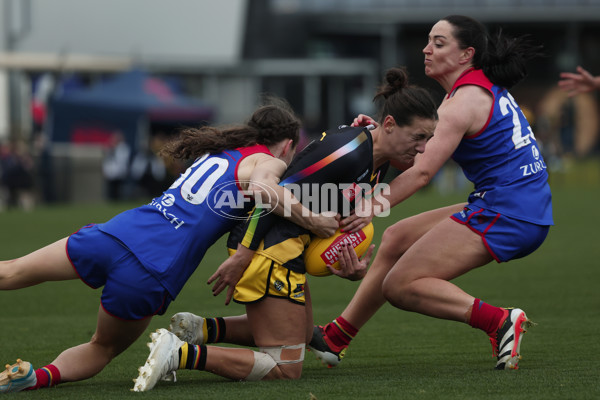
(507,216)
(143,257)
(273,285)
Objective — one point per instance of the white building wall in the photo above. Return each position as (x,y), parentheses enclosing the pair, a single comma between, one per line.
(198,29)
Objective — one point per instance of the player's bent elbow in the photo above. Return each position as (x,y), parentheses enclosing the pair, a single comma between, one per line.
(423,178)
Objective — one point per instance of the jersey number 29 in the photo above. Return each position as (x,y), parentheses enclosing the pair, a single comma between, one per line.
(520,139)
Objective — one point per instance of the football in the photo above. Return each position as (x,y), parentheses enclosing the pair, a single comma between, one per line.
(323,252)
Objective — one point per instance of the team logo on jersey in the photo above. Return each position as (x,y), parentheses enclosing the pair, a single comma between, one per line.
(229,200)
(278,286)
(535,152)
(167,200)
(535,167)
(299,291)
(299,288)
(375,177)
(351,191)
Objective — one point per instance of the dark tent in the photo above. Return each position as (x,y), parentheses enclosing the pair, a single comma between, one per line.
(128,103)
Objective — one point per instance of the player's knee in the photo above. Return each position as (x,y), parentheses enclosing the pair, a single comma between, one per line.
(290,371)
(105,348)
(393,242)
(285,362)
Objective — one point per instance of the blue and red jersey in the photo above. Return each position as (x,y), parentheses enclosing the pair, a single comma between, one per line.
(171,234)
(503,160)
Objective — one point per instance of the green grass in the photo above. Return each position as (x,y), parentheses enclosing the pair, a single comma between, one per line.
(397,355)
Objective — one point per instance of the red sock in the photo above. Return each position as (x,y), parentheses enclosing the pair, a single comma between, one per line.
(47,376)
(486,317)
(340,332)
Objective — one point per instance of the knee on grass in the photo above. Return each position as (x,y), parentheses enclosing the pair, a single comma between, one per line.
(277,362)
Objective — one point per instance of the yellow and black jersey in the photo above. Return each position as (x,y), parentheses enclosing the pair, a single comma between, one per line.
(333,173)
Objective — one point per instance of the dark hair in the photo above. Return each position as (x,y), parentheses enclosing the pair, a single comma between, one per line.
(501,58)
(403,101)
(268,125)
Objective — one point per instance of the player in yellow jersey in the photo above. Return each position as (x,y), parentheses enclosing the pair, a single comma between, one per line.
(331,174)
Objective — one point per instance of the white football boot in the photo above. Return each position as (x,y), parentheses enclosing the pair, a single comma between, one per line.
(162,362)
(188,327)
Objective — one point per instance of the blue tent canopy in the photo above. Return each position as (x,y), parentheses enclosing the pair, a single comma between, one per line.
(128,103)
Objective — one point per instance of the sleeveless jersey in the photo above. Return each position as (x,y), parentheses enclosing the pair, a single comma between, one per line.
(503,160)
(171,234)
(331,174)
(342,160)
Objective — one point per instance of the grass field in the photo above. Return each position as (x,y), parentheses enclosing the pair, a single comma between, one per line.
(398,355)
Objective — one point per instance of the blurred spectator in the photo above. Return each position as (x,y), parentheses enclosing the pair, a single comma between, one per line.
(580,82)
(45,168)
(567,126)
(16,166)
(148,170)
(115,166)
(4,151)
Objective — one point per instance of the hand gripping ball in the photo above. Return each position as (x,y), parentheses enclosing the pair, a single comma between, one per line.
(323,252)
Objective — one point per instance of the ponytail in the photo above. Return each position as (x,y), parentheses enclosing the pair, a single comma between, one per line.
(502,59)
(504,63)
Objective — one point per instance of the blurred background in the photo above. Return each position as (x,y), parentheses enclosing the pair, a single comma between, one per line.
(89,90)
